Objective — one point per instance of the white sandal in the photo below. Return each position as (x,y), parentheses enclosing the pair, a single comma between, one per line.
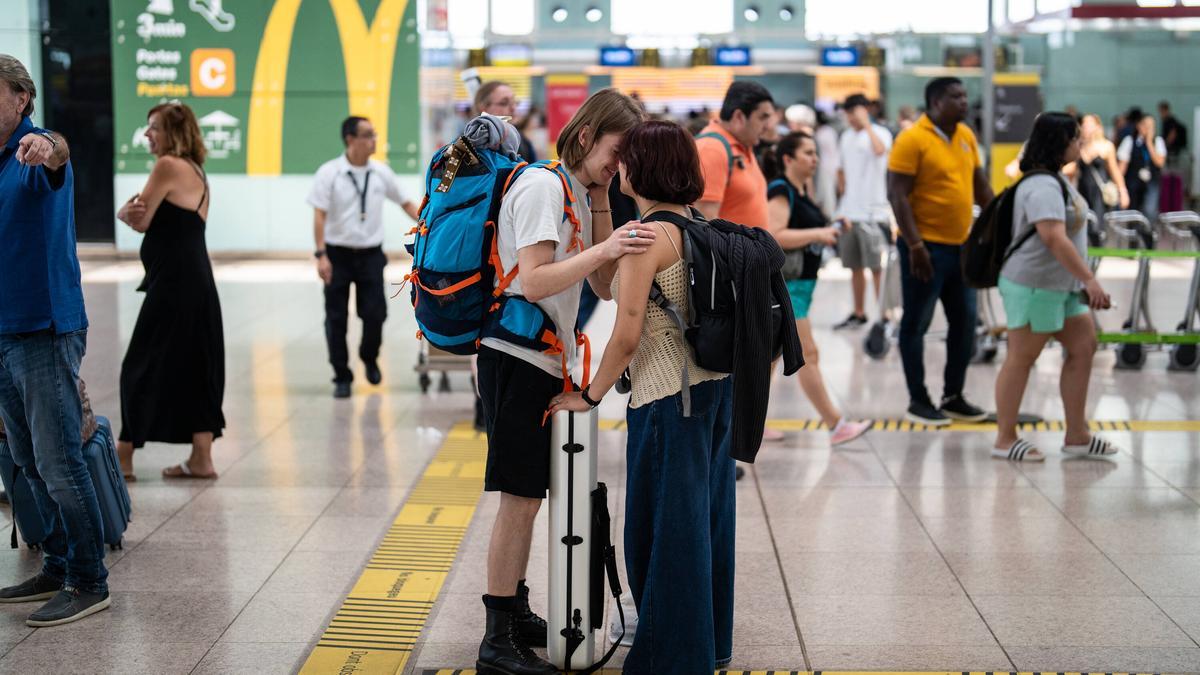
(1020,451)
(1095,449)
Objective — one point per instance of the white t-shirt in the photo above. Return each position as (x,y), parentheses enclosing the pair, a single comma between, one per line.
(337,190)
(532,212)
(1125,150)
(826,139)
(866,175)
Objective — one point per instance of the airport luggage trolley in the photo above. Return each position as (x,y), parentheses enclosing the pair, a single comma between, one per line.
(1138,335)
(431,360)
(1184,226)
(883,332)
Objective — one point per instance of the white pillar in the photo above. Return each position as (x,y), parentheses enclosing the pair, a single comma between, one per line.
(989,89)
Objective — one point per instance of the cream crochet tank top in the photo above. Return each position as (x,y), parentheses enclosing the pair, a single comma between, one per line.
(657,366)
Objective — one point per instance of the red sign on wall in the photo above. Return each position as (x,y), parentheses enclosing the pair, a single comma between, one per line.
(564,95)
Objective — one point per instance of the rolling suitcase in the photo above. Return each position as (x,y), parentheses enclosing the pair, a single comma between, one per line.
(581,550)
(28,520)
(100,455)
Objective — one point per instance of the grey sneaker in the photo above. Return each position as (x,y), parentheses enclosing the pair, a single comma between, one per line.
(71,604)
(38,588)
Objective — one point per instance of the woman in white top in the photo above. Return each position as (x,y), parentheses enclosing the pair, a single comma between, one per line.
(1141,157)
(1047,288)
(679,504)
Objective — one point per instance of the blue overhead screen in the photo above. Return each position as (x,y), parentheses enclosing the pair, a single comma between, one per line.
(617,57)
(732,56)
(840,56)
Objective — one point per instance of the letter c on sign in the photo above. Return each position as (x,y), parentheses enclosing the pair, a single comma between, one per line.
(213,73)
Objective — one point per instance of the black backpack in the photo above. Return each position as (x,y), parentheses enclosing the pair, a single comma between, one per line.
(990,243)
(711,322)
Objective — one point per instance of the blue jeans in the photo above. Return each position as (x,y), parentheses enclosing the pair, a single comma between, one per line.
(43,415)
(1150,201)
(920,298)
(679,532)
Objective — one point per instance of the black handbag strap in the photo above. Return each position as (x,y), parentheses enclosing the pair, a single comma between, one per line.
(12,500)
(614,586)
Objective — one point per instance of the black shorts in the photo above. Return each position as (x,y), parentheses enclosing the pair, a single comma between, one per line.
(516,395)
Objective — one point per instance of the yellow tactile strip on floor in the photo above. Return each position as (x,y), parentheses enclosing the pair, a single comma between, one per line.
(451,671)
(906,426)
(377,626)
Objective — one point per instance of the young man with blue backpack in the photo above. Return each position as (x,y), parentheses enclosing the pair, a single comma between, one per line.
(501,253)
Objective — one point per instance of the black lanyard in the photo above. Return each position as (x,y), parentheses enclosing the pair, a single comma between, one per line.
(362,194)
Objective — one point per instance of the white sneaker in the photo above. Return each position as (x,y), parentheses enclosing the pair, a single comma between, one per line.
(631,620)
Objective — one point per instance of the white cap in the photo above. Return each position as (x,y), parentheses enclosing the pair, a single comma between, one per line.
(801,114)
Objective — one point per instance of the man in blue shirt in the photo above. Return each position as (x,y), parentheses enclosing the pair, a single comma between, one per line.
(43,335)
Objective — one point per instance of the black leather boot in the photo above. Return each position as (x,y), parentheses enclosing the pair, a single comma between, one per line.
(503,653)
(530,626)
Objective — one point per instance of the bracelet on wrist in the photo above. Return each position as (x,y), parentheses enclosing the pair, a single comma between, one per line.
(920,243)
(588,399)
(601,210)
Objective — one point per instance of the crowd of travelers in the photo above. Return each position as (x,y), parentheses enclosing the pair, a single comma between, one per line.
(803,186)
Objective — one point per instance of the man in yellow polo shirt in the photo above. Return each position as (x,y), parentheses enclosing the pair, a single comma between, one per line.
(934,177)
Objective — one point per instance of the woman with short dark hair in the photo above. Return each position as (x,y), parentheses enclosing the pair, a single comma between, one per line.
(1047,289)
(173,374)
(679,504)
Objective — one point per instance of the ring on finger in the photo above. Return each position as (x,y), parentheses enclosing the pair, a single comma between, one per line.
(633,234)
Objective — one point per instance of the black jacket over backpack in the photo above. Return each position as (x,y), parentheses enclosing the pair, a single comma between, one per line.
(740,316)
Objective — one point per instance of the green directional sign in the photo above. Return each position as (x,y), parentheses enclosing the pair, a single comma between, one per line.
(269,80)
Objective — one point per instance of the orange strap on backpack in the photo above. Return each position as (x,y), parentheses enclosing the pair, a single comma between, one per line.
(581,340)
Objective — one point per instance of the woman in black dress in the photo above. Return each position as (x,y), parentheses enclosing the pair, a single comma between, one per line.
(1096,166)
(173,375)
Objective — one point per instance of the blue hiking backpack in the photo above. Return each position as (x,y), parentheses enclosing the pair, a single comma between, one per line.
(458,281)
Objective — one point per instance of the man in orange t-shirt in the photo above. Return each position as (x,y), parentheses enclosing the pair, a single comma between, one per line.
(734,186)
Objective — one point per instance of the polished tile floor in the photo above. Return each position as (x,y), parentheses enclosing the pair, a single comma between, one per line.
(904,551)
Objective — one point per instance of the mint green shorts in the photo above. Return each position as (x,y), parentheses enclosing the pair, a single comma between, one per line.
(1044,311)
(801,292)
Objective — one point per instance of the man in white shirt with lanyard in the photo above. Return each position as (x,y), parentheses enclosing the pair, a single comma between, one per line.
(347,198)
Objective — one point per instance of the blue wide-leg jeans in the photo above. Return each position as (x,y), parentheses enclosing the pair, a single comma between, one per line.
(679,532)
